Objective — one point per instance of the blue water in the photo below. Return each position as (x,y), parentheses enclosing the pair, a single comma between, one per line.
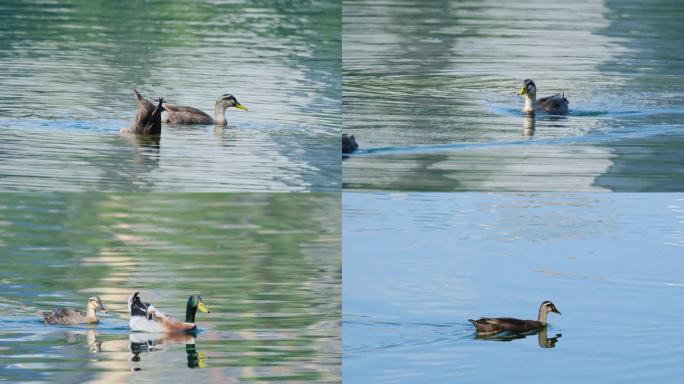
(417,266)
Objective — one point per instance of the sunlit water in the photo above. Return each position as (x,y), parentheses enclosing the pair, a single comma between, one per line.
(270,279)
(417,266)
(429,93)
(68,70)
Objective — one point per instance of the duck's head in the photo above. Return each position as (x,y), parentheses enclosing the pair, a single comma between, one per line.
(547,307)
(195,301)
(226,101)
(528,88)
(95,303)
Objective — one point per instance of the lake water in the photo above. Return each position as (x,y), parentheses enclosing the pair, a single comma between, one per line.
(68,70)
(417,266)
(270,279)
(429,93)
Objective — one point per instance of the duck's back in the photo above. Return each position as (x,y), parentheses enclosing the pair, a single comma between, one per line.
(556,104)
(179,114)
(505,324)
(63,316)
(156,321)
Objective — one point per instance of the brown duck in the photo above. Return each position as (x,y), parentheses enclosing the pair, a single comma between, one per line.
(508,324)
(147,120)
(179,114)
(68,316)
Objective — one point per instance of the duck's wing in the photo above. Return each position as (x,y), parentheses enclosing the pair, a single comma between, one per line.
(554,104)
(62,316)
(485,325)
(167,322)
(173,108)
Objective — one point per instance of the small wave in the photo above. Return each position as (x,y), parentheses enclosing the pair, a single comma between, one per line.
(614,135)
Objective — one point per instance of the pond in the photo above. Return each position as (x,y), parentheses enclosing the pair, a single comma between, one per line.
(418,266)
(430,94)
(69,70)
(270,279)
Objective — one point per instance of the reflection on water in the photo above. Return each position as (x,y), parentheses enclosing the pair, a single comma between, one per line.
(441,77)
(69,70)
(417,266)
(542,337)
(142,343)
(271,280)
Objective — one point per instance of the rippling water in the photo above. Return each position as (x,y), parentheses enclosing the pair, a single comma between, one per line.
(270,279)
(417,266)
(68,70)
(429,93)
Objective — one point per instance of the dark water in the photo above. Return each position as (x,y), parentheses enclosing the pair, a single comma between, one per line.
(68,70)
(429,92)
(270,279)
(417,266)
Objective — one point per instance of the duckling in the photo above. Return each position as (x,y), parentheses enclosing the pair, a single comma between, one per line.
(147,120)
(66,316)
(554,105)
(349,144)
(507,324)
(145,317)
(178,114)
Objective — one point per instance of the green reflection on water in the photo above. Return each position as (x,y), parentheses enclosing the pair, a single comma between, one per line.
(266,265)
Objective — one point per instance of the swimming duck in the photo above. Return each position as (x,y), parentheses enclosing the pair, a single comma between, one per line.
(68,316)
(349,144)
(178,114)
(554,105)
(147,120)
(507,324)
(146,318)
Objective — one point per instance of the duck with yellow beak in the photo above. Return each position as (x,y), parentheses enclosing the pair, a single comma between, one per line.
(178,114)
(552,105)
(146,318)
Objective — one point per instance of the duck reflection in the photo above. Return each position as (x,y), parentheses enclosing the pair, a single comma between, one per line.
(146,149)
(542,337)
(94,345)
(529,125)
(143,342)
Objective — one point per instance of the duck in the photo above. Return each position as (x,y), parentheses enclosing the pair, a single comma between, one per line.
(66,316)
(147,120)
(349,144)
(553,105)
(178,114)
(146,318)
(495,325)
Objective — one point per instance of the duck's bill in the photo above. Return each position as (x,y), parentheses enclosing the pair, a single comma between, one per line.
(557,311)
(522,91)
(240,106)
(202,308)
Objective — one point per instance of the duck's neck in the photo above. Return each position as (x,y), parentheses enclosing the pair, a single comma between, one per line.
(220,116)
(530,101)
(542,315)
(90,315)
(190,312)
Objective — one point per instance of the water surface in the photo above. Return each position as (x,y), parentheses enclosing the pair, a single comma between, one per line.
(270,279)
(417,266)
(68,70)
(429,93)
